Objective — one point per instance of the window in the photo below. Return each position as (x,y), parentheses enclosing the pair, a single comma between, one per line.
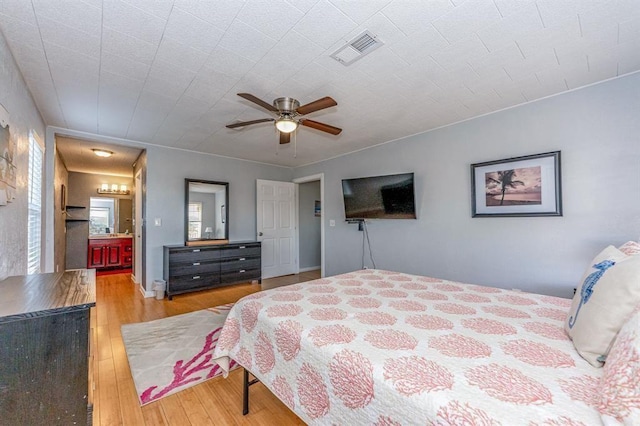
(34,232)
(195,220)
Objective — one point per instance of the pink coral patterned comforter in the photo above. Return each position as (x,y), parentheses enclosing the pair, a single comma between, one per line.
(386,348)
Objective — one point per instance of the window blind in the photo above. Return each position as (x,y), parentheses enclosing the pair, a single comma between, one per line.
(34,250)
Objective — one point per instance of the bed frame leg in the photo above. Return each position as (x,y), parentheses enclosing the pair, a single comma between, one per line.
(245,391)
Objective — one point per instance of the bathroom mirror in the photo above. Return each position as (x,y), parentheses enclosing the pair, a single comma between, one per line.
(206,213)
(110,215)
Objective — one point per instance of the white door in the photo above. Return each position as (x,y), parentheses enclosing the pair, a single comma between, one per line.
(276,227)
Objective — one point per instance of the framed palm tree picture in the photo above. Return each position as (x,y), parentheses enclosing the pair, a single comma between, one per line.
(519,186)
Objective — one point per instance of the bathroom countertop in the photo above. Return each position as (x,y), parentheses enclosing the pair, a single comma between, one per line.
(109,236)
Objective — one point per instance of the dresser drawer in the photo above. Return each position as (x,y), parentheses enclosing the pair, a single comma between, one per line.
(242,251)
(240,264)
(240,276)
(191,282)
(194,255)
(193,268)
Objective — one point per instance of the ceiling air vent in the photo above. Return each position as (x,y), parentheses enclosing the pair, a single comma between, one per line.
(363,44)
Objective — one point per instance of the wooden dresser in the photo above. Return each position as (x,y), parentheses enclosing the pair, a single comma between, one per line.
(44,349)
(193,268)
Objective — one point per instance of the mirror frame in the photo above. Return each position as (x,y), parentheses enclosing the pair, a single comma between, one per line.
(203,241)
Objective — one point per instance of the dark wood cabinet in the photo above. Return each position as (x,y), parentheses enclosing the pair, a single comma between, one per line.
(45,356)
(109,253)
(193,268)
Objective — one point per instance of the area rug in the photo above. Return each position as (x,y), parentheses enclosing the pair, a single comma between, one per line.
(174,353)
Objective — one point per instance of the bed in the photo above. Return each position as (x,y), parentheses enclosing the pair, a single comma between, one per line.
(387,348)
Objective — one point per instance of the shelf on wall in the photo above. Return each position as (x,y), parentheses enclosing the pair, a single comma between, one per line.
(75,207)
(76,220)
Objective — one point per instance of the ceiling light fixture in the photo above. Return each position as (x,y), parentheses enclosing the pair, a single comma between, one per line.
(285,124)
(102,152)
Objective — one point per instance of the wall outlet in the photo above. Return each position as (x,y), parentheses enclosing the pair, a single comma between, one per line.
(157,221)
(332,223)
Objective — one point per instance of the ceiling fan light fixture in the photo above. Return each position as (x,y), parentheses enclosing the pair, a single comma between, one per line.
(286,125)
(102,152)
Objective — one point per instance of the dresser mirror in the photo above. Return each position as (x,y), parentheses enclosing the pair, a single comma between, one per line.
(206,216)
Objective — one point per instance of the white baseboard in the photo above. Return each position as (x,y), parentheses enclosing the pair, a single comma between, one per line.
(310,268)
(146,294)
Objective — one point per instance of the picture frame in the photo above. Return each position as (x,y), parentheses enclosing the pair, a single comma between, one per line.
(525,186)
(8,171)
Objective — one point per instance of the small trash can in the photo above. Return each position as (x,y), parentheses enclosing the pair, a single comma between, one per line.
(159,286)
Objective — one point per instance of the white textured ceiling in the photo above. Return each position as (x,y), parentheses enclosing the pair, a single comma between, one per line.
(167,72)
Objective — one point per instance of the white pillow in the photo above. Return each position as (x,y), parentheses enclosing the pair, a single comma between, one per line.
(620,384)
(630,248)
(609,293)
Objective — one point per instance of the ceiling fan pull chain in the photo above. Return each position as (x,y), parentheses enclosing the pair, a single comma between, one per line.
(295,144)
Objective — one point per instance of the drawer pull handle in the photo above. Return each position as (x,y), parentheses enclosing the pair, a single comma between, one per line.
(242,271)
(242,258)
(197,277)
(196,250)
(196,264)
(242,247)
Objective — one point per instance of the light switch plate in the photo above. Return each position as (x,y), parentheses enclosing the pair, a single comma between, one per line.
(332,223)
(157,221)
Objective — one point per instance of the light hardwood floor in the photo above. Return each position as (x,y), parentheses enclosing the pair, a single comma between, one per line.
(215,402)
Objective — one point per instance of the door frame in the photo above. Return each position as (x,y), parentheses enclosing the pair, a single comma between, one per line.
(305,179)
(137,229)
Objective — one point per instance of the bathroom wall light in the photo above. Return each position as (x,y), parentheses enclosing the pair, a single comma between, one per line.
(114,189)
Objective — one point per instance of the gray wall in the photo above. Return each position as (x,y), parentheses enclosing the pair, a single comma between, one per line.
(309,225)
(23,116)
(166,172)
(596,128)
(83,186)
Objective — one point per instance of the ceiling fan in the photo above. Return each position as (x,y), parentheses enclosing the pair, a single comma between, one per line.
(289,114)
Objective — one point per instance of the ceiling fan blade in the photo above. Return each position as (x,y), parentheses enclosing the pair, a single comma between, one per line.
(248,123)
(285,138)
(323,103)
(321,126)
(258,101)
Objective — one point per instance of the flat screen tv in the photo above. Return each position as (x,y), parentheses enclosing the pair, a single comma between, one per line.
(379,197)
